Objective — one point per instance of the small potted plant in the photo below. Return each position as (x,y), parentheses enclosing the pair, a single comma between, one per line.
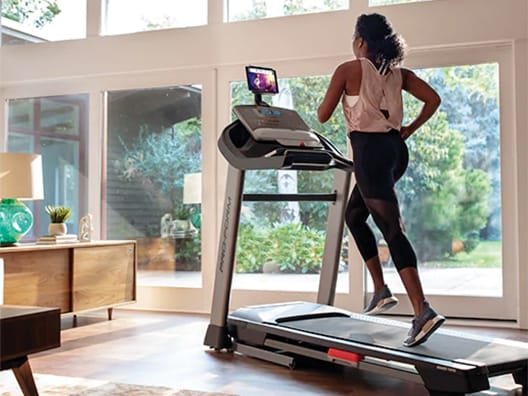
(58,215)
(181,221)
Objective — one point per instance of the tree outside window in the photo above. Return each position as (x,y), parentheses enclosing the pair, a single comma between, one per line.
(451,191)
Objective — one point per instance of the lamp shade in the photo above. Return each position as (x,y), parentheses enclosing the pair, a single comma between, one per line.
(192,188)
(21,176)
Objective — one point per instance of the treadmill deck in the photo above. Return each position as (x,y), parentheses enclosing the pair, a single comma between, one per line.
(317,320)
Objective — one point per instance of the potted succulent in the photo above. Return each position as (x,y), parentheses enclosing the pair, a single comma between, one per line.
(58,215)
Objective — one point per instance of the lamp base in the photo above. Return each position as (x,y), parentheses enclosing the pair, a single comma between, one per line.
(196,218)
(15,221)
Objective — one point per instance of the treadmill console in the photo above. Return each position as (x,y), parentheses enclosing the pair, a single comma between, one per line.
(267,123)
(269,137)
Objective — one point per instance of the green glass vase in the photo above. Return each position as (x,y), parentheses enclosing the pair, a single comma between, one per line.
(15,221)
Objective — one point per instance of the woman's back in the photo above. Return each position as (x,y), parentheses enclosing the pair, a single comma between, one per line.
(378,107)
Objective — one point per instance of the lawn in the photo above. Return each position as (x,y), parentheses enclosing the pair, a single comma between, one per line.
(486,255)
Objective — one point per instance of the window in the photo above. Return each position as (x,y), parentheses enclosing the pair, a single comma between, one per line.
(240,10)
(374,3)
(281,240)
(451,193)
(153,180)
(42,20)
(128,16)
(56,128)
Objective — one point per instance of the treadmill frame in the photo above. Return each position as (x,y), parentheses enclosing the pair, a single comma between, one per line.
(217,334)
(281,345)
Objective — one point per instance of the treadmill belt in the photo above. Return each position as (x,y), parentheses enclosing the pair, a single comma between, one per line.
(443,344)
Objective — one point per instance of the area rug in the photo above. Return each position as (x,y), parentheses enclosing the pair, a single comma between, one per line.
(53,385)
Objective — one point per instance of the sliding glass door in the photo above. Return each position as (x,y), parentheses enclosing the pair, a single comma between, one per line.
(451,198)
(153,180)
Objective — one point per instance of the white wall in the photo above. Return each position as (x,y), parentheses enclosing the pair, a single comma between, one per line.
(430,24)
(437,32)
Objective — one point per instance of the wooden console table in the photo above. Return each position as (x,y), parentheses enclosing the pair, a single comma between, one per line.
(74,277)
(23,331)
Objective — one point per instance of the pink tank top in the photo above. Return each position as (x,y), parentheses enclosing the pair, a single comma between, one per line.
(377,92)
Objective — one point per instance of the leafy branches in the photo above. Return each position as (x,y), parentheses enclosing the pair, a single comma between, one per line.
(37,12)
(157,158)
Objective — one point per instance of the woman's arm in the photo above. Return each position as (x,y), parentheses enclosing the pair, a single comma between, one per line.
(424,92)
(335,89)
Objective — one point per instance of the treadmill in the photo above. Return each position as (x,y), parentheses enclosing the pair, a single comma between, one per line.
(449,363)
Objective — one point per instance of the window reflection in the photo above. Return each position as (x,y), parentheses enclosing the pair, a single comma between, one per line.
(56,128)
(153,163)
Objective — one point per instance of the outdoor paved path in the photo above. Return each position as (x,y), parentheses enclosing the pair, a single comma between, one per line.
(451,281)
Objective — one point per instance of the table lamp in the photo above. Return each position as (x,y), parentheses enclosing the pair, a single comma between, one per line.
(192,194)
(20,179)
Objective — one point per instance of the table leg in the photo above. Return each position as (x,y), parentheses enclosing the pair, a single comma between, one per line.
(110,311)
(24,377)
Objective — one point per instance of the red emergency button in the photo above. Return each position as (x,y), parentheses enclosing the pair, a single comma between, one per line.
(344,355)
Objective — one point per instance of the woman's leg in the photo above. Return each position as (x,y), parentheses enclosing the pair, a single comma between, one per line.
(386,215)
(376,273)
(413,286)
(426,319)
(356,216)
(383,159)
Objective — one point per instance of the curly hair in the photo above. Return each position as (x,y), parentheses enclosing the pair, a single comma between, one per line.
(386,47)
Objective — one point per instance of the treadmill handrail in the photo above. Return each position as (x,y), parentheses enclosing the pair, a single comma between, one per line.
(281,197)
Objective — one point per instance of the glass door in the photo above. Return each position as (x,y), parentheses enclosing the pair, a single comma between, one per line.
(153,180)
(280,244)
(452,196)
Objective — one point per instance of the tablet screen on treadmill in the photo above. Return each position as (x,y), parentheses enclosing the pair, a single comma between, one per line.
(262,80)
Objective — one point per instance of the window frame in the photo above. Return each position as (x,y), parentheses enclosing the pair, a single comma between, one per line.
(505,308)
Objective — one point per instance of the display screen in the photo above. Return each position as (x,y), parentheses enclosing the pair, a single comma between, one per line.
(262,80)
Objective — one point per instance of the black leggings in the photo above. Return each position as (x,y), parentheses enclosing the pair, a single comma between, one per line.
(380,160)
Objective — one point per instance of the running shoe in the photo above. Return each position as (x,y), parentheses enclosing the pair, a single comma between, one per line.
(382,301)
(423,326)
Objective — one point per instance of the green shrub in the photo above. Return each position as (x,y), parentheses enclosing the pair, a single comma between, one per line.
(253,249)
(471,241)
(189,253)
(295,248)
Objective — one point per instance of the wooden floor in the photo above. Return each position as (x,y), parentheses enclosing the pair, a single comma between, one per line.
(166,349)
